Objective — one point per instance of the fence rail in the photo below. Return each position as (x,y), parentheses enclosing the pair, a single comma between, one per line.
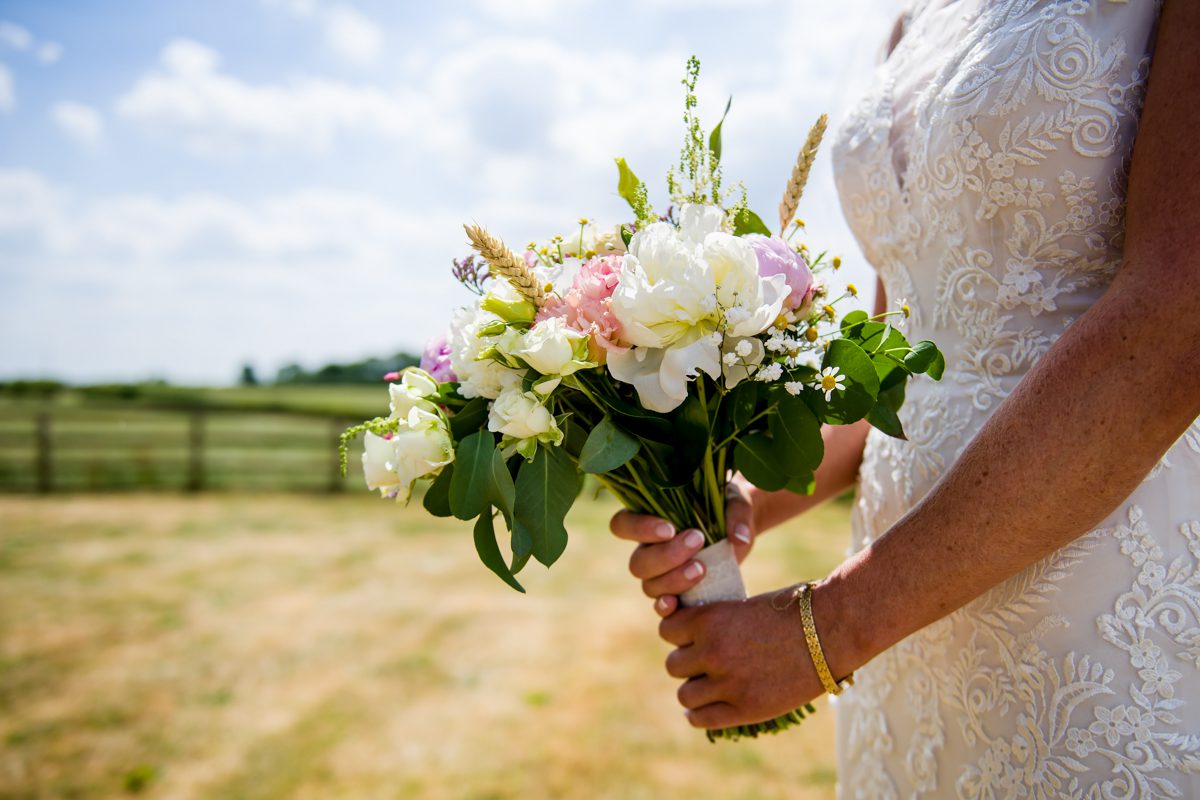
(101,449)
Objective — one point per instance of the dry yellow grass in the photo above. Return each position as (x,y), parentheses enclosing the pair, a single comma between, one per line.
(293,647)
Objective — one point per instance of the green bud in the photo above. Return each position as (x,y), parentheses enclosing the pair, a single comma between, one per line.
(510,310)
(494,328)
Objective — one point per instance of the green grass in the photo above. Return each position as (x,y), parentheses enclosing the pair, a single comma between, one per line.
(238,646)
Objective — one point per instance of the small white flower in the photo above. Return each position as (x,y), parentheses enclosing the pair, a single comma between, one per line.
(769,373)
(794,387)
(828,380)
(729,359)
(744,348)
(776,343)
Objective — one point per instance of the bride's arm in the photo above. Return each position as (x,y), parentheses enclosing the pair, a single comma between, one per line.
(1075,438)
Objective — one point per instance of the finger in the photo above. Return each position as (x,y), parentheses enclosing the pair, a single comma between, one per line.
(685,662)
(651,560)
(679,628)
(739,516)
(640,527)
(713,715)
(666,604)
(677,581)
(699,692)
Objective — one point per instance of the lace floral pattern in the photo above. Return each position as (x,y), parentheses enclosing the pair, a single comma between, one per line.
(992,201)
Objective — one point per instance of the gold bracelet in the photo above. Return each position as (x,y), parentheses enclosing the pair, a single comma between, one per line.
(804,598)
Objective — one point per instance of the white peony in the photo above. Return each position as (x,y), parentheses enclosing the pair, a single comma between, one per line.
(477,377)
(552,348)
(419,448)
(523,421)
(683,291)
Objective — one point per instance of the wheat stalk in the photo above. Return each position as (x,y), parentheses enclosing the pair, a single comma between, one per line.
(506,264)
(804,162)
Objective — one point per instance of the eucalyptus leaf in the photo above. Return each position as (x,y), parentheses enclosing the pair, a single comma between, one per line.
(607,448)
(754,456)
(795,435)
(927,358)
(714,138)
(546,488)
(469,419)
(884,417)
(860,379)
(502,491)
(470,483)
(745,399)
(437,496)
(489,550)
(802,484)
(746,221)
(627,183)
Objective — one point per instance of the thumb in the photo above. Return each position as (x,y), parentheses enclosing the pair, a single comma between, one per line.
(739,519)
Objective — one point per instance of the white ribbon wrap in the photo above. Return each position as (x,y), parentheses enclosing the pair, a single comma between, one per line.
(722,577)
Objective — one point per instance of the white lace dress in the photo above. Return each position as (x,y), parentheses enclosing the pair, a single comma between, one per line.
(984,178)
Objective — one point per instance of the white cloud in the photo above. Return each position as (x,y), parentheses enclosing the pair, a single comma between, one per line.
(8,97)
(529,10)
(49,52)
(213,112)
(79,122)
(352,35)
(298,8)
(15,36)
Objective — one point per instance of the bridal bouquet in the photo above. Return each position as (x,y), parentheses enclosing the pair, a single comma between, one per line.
(659,355)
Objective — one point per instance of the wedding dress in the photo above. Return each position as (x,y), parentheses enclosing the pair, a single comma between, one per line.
(984,176)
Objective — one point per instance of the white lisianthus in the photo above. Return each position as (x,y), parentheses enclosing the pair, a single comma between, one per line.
(681,291)
(523,421)
(415,388)
(419,448)
(478,377)
(552,348)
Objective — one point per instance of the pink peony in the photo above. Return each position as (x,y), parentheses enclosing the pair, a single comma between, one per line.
(436,360)
(777,257)
(587,305)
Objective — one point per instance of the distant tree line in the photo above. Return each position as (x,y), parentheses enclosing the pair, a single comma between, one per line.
(368,371)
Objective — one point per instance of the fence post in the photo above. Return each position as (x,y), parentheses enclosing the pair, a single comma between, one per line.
(336,482)
(44,465)
(196,429)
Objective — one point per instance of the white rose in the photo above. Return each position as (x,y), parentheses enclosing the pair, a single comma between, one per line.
(552,348)
(418,449)
(523,421)
(477,377)
(415,388)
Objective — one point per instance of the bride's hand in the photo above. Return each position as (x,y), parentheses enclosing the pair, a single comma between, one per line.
(664,558)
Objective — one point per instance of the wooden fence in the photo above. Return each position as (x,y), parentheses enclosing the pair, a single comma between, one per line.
(81,448)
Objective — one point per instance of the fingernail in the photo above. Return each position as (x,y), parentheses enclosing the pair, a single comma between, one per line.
(693,539)
(664,530)
(742,533)
(661,603)
(694,570)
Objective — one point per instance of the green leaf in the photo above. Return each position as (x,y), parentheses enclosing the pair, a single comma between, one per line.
(502,492)
(886,420)
(745,399)
(851,320)
(747,221)
(925,357)
(546,488)
(469,419)
(637,420)
(437,496)
(690,438)
(470,483)
(607,448)
(489,550)
(754,456)
(626,234)
(861,383)
(714,138)
(802,484)
(796,435)
(627,183)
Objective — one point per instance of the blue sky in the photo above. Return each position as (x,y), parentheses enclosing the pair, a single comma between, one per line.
(188,186)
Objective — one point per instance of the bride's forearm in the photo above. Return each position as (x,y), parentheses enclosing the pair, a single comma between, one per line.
(837,473)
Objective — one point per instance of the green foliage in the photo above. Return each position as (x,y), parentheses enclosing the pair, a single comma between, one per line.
(755,457)
(633,191)
(796,435)
(861,384)
(489,550)
(607,448)
(714,138)
(437,496)
(746,221)
(545,490)
(367,371)
(470,485)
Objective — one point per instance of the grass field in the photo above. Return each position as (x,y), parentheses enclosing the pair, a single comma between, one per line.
(240,646)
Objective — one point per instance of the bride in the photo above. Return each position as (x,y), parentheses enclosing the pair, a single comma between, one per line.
(1021,609)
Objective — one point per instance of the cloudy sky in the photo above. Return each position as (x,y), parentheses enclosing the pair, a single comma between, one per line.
(188,186)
